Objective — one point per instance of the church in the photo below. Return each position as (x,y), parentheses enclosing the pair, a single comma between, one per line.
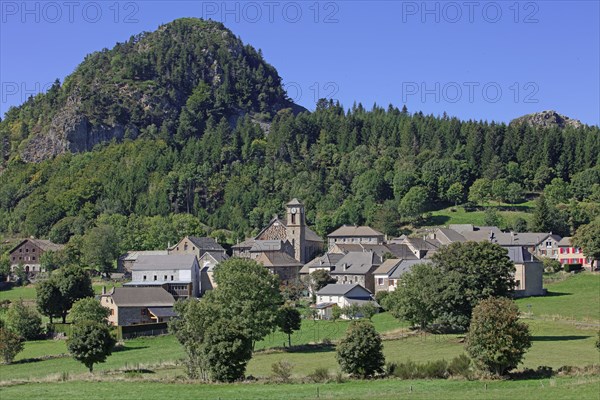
(283,246)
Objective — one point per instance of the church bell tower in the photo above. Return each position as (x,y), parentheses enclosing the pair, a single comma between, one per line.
(296,226)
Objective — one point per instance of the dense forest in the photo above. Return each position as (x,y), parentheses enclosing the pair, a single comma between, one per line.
(191,168)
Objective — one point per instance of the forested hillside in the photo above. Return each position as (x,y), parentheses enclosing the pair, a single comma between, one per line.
(191,168)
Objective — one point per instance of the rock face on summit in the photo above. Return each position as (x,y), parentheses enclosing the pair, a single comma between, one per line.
(547,119)
(166,84)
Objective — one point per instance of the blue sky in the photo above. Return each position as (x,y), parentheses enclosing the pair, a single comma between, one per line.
(488,60)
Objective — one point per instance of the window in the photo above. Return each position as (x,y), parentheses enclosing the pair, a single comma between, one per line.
(14,258)
(165,278)
(171,277)
(33,250)
(548,243)
(33,258)
(144,278)
(26,250)
(380,281)
(112,312)
(20,250)
(155,277)
(392,282)
(185,247)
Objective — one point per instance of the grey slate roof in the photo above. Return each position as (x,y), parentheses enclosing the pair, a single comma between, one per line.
(520,255)
(565,242)
(358,263)
(353,230)
(171,261)
(162,312)
(327,260)
(277,259)
(141,297)
(339,289)
(266,245)
(387,266)
(133,255)
(404,267)
(206,243)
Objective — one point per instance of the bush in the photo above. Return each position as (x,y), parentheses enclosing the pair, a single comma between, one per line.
(24,321)
(282,371)
(10,345)
(551,265)
(497,340)
(572,267)
(360,353)
(460,366)
(429,370)
(320,375)
(380,298)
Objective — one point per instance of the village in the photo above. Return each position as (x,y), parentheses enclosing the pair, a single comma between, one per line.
(359,263)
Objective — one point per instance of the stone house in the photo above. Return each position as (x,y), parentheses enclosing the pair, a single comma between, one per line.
(352,234)
(196,246)
(137,305)
(357,267)
(207,264)
(179,274)
(389,274)
(528,272)
(29,252)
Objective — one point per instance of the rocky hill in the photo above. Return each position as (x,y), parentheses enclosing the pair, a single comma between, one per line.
(547,119)
(165,83)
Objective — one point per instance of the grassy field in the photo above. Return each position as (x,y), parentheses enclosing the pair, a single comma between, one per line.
(27,293)
(575,298)
(556,389)
(562,325)
(458,215)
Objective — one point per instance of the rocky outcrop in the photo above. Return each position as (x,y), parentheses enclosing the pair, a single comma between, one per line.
(547,119)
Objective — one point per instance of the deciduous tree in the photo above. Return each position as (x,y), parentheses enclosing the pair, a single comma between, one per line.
(90,343)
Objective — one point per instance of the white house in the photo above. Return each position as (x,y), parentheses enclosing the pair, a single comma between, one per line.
(341,295)
(179,274)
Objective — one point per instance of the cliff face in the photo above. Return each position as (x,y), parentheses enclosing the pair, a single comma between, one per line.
(170,81)
(547,119)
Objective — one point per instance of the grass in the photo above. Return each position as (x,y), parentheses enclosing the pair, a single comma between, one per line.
(575,298)
(27,293)
(561,325)
(458,215)
(558,389)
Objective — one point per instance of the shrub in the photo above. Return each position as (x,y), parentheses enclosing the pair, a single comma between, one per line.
(24,321)
(10,345)
(497,340)
(380,297)
(360,353)
(282,370)
(460,366)
(435,369)
(320,375)
(573,267)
